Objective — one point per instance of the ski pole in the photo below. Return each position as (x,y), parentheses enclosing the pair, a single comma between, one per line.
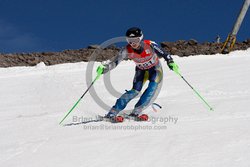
(99,73)
(177,72)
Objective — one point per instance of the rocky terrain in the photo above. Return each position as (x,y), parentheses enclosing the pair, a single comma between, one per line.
(180,48)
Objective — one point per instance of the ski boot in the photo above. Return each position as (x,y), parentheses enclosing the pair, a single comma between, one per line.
(112,116)
(142,117)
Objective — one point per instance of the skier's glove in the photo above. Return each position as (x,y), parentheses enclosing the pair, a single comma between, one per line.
(173,66)
(102,69)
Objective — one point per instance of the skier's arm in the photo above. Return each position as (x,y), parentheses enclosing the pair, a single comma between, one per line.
(112,64)
(162,53)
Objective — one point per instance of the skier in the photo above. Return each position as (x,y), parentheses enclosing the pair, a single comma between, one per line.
(145,54)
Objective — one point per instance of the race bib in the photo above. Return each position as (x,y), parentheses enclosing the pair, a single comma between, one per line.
(148,64)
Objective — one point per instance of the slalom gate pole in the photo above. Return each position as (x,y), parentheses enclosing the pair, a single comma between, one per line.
(96,78)
(210,108)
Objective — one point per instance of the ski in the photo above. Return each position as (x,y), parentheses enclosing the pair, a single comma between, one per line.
(143,117)
(121,118)
(117,119)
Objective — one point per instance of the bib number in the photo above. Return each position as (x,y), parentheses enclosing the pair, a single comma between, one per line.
(150,63)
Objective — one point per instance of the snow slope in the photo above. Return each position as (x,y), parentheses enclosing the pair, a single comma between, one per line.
(33,100)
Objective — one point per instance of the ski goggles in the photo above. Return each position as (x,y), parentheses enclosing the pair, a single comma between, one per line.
(134,40)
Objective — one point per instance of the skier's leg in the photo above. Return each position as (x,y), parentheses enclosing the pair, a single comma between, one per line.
(146,97)
(155,78)
(122,102)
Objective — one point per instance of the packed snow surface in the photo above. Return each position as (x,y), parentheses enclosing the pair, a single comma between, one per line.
(184,133)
